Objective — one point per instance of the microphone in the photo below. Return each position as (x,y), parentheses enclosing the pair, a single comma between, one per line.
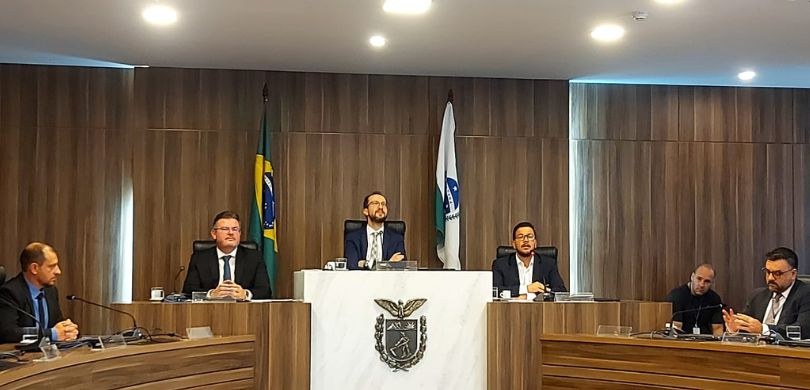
(27,314)
(177,275)
(135,327)
(697,309)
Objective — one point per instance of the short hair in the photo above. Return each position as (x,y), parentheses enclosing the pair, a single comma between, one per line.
(33,253)
(521,225)
(783,253)
(365,200)
(225,215)
(705,265)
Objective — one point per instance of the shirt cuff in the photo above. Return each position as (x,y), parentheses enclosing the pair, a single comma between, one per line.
(54,335)
(765,329)
(530,296)
(248,295)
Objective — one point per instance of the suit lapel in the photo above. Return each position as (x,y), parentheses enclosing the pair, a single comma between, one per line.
(213,267)
(788,305)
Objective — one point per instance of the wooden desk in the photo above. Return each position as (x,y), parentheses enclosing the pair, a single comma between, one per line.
(282,331)
(515,330)
(619,363)
(218,363)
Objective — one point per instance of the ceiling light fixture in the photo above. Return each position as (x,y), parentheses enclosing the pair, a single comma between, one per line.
(377,41)
(406,7)
(159,14)
(668,2)
(607,33)
(747,75)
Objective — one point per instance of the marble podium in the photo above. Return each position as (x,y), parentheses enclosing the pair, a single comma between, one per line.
(343,321)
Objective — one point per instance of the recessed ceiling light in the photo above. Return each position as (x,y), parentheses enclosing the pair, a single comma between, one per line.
(668,2)
(408,7)
(607,33)
(747,75)
(159,14)
(377,41)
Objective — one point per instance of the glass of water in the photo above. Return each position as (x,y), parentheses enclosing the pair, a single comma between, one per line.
(794,332)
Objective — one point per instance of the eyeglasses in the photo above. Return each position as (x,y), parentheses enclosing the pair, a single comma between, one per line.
(377,203)
(226,229)
(527,237)
(776,274)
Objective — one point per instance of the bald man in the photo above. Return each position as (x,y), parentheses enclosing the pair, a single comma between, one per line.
(692,298)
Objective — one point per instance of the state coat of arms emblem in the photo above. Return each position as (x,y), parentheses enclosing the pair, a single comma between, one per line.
(400,341)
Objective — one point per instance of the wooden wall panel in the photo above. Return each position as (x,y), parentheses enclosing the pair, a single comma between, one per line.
(713,177)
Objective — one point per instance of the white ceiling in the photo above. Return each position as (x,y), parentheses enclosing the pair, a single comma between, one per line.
(705,42)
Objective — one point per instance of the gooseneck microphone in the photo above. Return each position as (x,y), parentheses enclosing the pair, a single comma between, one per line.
(177,275)
(697,309)
(134,323)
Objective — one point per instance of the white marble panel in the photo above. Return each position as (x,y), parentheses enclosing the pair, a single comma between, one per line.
(344,315)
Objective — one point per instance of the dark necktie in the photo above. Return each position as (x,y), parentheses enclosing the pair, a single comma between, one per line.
(43,322)
(226,268)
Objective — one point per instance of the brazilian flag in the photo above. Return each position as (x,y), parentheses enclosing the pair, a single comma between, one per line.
(263,208)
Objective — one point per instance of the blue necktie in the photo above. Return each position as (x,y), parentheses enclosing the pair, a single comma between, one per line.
(43,322)
(226,268)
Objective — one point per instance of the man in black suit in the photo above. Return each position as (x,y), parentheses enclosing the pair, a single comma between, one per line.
(227,270)
(33,291)
(785,301)
(385,243)
(525,273)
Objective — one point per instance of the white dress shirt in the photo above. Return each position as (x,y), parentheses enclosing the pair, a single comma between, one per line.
(232,263)
(525,274)
(765,329)
(370,239)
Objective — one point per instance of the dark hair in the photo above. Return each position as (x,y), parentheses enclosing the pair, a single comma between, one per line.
(786,254)
(225,215)
(33,253)
(705,265)
(521,225)
(365,200)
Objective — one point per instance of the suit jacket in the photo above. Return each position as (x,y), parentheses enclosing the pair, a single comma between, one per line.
(250,272)
(355,246)
(15,293)
(795,308)
(505,274)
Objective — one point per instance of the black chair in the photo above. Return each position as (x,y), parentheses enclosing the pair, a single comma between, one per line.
(2,275)
(351,225)
(201,245)
(548,251)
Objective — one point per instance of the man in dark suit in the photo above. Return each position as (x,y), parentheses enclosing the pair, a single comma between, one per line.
(227,270)
(525,273)
(785,301)
(385,243)
(33,291)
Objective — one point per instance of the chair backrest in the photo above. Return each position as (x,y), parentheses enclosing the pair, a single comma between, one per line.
(2,275)
(201,245)
(804,278)
(548,251)
(351,225)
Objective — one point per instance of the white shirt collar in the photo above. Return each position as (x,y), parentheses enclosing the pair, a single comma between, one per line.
(232,254)
(369,230)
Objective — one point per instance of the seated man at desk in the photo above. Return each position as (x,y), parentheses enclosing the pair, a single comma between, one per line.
(33,291)
(690,299)
(227,270)
(385,244)
(525,273)
(785,301)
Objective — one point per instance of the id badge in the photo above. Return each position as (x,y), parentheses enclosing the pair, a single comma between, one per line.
(696,330)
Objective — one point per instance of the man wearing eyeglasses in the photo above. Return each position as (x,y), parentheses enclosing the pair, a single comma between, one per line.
(526,273)
(365,247)
(695,304)
(785,301)
(227,270)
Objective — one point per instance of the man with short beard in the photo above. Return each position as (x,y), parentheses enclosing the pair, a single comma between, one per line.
(785,301)
(386,244)
(526,273)
(695,305)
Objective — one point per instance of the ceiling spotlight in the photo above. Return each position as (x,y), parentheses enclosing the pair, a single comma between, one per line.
(607,33)
(747,75)
(407,7)
(159,14)
(377,41)
(668,2)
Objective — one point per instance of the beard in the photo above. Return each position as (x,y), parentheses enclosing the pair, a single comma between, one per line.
(374,218)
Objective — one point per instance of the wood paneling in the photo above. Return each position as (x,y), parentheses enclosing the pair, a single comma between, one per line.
(514,331)
(712,177)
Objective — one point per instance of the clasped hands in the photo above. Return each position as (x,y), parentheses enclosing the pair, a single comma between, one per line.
(394,258)
(229,289)
(66,330)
